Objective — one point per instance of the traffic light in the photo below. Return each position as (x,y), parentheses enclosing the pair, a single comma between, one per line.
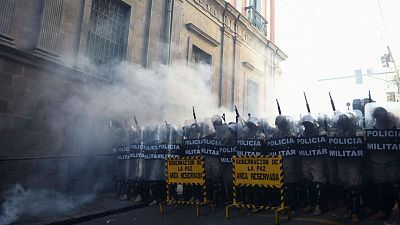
(385,59)
(358,75)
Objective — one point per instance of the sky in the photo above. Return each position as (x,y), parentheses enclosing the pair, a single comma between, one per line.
(328,39)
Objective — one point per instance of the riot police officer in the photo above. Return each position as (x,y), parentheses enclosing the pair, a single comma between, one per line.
(226,133)
(285,129)
(193,131)
(136,162)
(313,169)
(122,159)
(349,169)
(384,166)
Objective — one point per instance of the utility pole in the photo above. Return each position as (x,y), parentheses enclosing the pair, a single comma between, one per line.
(397,76)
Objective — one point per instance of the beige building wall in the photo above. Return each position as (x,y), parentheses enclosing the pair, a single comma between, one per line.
(43,62)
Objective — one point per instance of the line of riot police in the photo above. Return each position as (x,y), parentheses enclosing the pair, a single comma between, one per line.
(347,158)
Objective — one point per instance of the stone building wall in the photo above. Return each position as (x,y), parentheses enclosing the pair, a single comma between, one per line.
(44,63)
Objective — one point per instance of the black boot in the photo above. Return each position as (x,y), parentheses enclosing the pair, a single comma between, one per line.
(308,194)
(318,196)
(355,205)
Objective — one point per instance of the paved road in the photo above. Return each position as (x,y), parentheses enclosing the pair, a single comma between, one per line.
(184,215)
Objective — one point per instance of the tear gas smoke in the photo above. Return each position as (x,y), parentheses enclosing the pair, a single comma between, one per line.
(31,202)
(165,93)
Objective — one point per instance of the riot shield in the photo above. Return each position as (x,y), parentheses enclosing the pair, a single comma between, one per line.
(170,145)
(312,143)
(266,128)
(383,141)
(170,141)
(250,142)
(191,145)
(210,150)
(226,135)
(346,146)
(136,156)
(382,116)
(155,165)
(192,138)
(312,150)
(121,150)
(250,138)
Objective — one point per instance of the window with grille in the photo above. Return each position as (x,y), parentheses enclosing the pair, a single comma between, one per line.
(6,13)
(106,41)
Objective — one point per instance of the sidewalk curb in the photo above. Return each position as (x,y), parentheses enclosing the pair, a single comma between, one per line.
(84,218)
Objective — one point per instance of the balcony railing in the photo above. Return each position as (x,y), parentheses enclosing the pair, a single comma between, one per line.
(257,19)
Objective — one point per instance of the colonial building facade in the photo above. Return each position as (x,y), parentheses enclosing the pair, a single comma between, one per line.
(45,47)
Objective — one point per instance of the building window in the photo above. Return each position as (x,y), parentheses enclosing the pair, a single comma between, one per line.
(106,41)
(253,14)
(6,13)
(50,24)
(252,98)
(201,57)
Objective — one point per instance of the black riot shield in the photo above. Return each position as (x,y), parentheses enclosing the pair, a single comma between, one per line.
(383,141)
(250,139)
(210,150)
(192,138)
(250,142)
(312,149)
(226,134)
(283,143)
(346,144)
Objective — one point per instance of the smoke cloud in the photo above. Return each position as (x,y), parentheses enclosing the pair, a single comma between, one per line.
(37,202)
(165,93)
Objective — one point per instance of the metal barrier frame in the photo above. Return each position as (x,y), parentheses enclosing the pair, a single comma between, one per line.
(169,199)
(278,209)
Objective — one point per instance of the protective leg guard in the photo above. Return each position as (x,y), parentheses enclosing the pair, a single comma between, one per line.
(355,201)
(388,198)
(145,190)
(308,194)
(318,198)
(187,192)
(319,193)
(290,194)
(155,188)
(163,186)
(367,194)
(229,193)
(118,185)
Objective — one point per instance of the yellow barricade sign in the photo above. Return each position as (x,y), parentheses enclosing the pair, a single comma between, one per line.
(261,171)
(185,171)
(250,171)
